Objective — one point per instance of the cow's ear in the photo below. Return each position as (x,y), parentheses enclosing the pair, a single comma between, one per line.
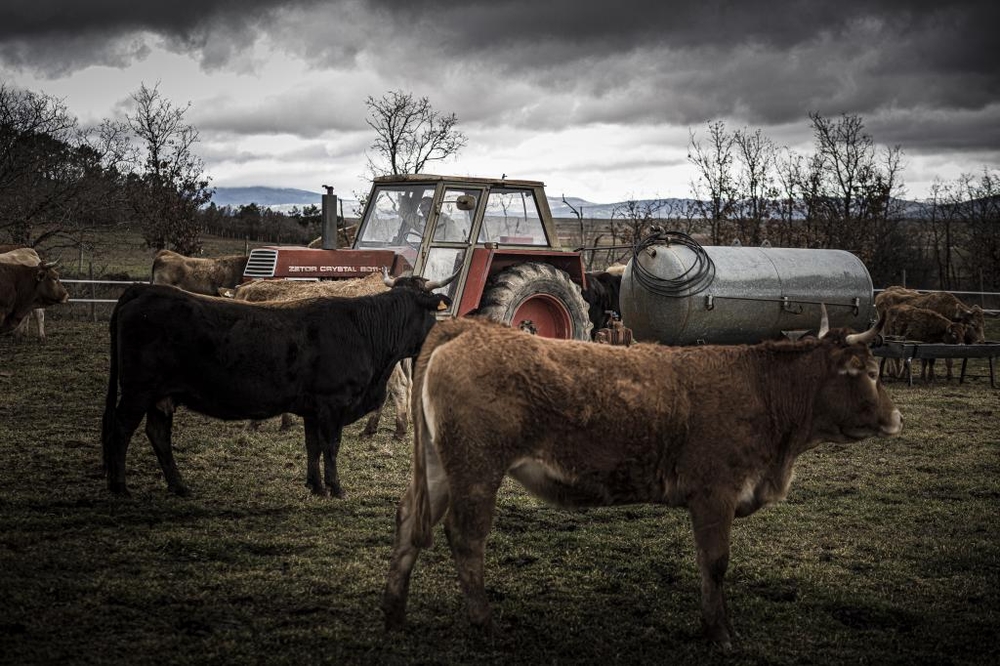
(40,275)
(431,301)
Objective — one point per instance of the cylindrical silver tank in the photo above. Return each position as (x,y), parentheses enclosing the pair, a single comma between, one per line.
(757,294)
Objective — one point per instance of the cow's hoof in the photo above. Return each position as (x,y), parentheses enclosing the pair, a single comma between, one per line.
(395,618)
(319,491)
(481,620)
(118,489)
(179,489)
(720,636)
(337,491)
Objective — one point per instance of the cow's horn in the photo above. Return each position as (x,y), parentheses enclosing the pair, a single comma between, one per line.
(432,285)
(824,321)
(868,336)
(389,282)
(49,264)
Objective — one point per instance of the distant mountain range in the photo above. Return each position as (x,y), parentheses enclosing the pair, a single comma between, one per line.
(284,199)
(265,196)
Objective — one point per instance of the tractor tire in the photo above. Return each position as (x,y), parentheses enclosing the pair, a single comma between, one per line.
(540,298)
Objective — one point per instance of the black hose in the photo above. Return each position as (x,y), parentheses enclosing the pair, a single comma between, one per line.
(693,281)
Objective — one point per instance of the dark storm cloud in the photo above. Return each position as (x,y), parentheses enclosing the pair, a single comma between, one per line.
(928,131)
(43,19)
(657,61)
(55,37)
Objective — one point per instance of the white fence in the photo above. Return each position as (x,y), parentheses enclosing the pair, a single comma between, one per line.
(96,282)
(970,297)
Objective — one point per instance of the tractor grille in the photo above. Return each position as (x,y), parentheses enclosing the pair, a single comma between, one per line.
(261,264)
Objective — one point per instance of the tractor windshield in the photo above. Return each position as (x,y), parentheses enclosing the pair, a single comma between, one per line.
(396,219)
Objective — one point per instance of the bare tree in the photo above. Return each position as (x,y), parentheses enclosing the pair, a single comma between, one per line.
(715,187)
(848,179)
(791,174)
(755,155)
(882,212)
(168,184)
(631,221)
(976,203)
(36,138)
(409,134)
(851,190)
(942,230)
(56,179)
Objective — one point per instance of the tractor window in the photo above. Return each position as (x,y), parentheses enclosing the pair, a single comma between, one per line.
(453,224)
(512,219)
(443,262)
(396,217)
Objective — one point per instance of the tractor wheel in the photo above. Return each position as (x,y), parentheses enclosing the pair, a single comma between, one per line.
(538,297)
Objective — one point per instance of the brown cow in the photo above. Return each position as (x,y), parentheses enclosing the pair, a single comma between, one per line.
(893,295)
(945,304)
(24,288)
(25,256)
(198,275)
(923,325)
(679,427)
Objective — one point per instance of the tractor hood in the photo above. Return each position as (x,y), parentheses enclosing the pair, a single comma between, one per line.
(291,262)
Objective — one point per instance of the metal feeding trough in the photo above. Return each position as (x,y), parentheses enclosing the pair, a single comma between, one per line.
(908,350)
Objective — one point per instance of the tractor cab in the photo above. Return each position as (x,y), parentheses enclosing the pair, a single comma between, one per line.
(438,224)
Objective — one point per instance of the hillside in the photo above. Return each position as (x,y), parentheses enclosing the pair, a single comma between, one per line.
(264,196)
(283,198)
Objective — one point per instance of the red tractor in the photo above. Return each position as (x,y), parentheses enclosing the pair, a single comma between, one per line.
(495,236)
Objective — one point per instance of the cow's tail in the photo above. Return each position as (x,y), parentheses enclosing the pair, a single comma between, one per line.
(420,503)
(423,442)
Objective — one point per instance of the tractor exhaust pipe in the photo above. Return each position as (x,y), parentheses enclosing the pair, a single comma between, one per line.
(328,225)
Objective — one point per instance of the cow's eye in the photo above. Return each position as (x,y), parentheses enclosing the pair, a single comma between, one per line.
(873,375)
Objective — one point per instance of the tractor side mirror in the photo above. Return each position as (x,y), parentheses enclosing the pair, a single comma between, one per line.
(465,202)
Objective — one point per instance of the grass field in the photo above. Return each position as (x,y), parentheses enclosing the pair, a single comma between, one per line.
(886,551)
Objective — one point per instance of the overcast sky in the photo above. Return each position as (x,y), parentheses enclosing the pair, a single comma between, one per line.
(594,98)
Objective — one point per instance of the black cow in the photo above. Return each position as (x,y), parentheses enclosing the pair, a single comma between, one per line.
(326,360)
(601,295)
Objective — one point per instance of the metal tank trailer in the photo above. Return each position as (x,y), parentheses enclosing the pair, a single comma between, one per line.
(677,292)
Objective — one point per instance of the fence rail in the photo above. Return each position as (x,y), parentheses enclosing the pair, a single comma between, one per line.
(96,282)
(994,296)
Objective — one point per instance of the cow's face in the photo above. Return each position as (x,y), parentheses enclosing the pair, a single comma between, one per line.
(975,326)
(431,304)
(955,334)
(852,404)
(48,289)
